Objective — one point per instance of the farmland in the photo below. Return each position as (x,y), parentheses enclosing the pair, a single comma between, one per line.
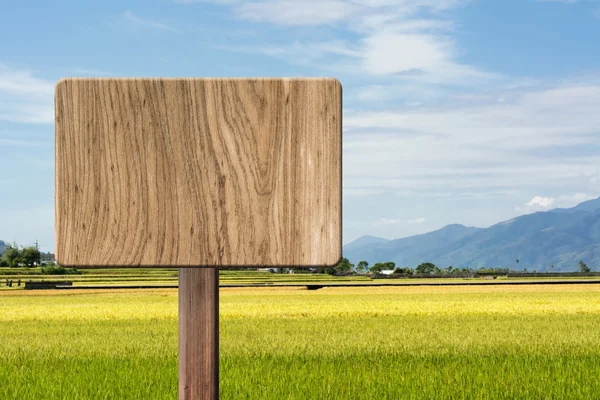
(168,276)
(500,341)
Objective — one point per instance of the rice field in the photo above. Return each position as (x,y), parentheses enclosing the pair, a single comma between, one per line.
(491,342)
(169,276)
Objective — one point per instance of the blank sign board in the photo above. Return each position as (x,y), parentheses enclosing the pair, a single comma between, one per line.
(198,172)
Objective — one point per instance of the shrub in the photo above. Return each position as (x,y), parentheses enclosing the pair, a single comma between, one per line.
(406,270)
(58,270)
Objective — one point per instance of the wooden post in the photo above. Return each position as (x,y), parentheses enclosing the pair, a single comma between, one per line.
(198,333)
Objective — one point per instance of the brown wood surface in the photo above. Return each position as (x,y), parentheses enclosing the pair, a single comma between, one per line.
(198,172)
(198,333)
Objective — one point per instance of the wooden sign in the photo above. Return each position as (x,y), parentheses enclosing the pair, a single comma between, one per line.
(198,172)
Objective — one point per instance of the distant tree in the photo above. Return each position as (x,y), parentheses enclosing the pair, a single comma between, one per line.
(344,265)
(404,270)
(377,268)
(390,265)
(12,255)
(584,268)
(552,268)
(425,268)
(30,256)
(362,266)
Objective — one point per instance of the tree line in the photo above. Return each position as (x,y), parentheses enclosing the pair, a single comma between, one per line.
(29,256)
(425,268)
(16,256)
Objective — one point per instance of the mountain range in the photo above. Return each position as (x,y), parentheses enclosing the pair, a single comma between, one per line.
(559,238)
(554,240)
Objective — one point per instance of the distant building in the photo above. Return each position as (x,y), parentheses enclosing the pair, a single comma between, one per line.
(386,272)
(47,258)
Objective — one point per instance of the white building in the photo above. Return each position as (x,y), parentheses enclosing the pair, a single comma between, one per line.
(386,272)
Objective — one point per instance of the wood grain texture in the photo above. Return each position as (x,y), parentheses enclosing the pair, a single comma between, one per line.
(198,333)
(198,172)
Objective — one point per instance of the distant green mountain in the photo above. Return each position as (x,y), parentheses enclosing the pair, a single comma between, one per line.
(558,238)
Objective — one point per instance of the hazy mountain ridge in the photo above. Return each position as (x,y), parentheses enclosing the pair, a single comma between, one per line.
(589,206)
(559,237)
(2,246)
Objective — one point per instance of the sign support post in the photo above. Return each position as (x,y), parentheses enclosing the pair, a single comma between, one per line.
(198,333)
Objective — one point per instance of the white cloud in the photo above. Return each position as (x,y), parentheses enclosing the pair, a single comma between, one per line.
(408,40)
(362,13)
(142,23)
(390,53)
(388,221)
(300,53)
(461,195)
(422,118)
(374,93)
(478,143)
(25,98)
(420,137)
(292,12)
(397,221)
(407,93)
(354,192)
(22,82)
(567,201)
(540,203)
(534,114)
(594,181)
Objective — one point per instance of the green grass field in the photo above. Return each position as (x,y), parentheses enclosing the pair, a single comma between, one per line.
(513,342)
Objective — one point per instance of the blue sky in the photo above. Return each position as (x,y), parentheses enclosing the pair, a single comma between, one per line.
(455,111)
